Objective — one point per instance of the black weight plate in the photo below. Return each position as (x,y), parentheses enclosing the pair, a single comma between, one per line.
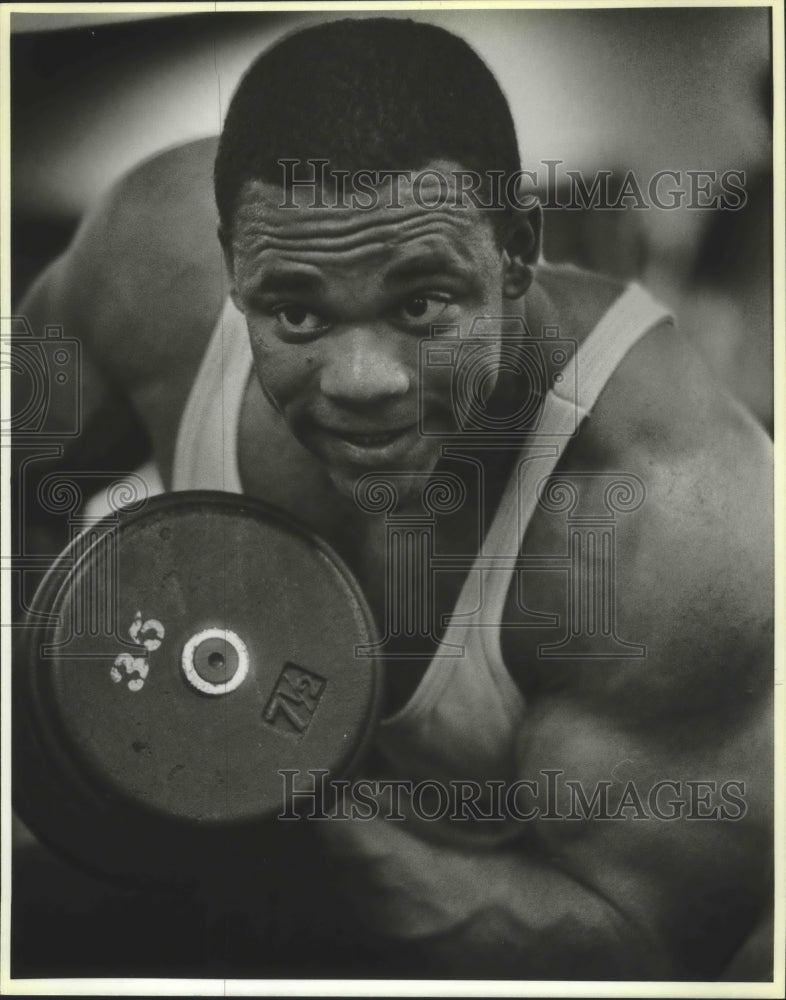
(167,749)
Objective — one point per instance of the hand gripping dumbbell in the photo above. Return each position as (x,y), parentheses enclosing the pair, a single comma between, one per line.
(175,665)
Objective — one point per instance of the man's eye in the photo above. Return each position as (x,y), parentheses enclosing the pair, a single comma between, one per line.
(422,309)
(297,319)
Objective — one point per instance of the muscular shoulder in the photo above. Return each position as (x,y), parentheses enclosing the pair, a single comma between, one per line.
(145,267)
(690,567)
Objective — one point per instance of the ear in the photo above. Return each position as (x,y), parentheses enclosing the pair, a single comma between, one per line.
(229,264)
(521,250)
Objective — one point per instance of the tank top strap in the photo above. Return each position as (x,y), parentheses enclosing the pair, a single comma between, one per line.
(566,405)
(629,318)
(207,439)
(632,315)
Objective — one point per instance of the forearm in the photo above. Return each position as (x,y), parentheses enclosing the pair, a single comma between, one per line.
(456,912)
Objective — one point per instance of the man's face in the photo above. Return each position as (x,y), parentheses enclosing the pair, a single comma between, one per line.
(338,302)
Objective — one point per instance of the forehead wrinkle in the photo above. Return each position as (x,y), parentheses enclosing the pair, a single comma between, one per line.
(305,259)
(349,221)
(423,234)
(436,178)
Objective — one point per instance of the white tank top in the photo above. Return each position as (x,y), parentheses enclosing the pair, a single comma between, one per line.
(462,721)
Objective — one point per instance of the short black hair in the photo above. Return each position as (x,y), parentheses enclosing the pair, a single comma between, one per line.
(376,93)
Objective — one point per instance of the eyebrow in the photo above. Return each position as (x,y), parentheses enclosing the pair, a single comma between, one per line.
(287,282)
(282,281)
(427,266)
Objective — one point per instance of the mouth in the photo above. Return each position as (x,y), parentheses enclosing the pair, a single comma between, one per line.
(370,448)
(377,440)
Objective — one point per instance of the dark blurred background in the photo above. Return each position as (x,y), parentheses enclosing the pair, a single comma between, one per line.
(598,89)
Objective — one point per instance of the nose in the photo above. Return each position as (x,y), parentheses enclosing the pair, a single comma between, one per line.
(364,366)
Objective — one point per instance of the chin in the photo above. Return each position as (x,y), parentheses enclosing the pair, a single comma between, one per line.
(405,487)
(343,482)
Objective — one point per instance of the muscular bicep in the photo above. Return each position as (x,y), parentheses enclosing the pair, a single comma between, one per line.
(72,417)
(136,295)
(670,822)
(683,728)
(52,310)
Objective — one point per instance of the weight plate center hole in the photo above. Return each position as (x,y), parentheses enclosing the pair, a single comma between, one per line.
(215,661)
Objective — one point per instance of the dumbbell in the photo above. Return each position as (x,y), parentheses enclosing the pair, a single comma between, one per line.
(186,670)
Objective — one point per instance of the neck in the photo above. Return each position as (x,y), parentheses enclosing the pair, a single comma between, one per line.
(539,307)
